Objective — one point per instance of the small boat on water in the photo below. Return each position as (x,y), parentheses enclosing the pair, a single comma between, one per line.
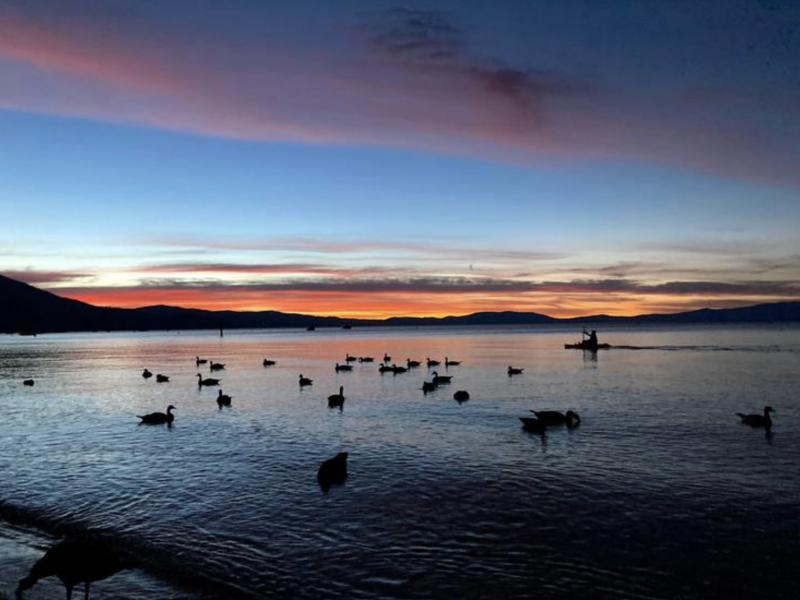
(587,346)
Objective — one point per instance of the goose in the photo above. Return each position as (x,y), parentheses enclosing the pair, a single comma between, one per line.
(158,418)
(385,369)
(268,363)
(146,374)
(386,358)
(451,363)
(514,371)
(366,359)
(440,379)
(412,364)
(432,363)
(216,366)
(28,382)
(554,417)
(349,358)
(461,396)
(396,369)
(73,561)
(532,425)
(428,386)
(764,420)
(162,378)
(200,361)
(337,400)
(223,399)
(304,381)
(208,381)
(339,367)
(333,470)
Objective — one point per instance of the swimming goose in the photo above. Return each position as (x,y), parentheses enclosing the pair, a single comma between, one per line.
(158,418)
(146,374)
(432,363)
(208,381)
(412,364)
(764,420)
(216,366)
(339,367)
(554,417)
(162,378)
(440,379)
(304,381)
(386,358)
(349,358)
(333,470)
(337,400)
(532,425)
(366,359)
(514,371)
(428,386)
(200,361)
(396,369)
(385,369)
(268,363)
(451,363)
(28,382)
(73,561)
(461,396)
(223,399)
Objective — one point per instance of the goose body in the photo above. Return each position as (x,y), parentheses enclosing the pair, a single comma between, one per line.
(432,363)
(146,374)
(386,358)
(349,358)
(385,369)
(441,379)
(268,363)
(514,371)
(554,417)
(216,366)
(304,381)
(366,359)
(200,361)
(162,378)
(428,386)
(28,382)
(337,400)
(339,367)
(756,420)
(396,369)
(532,425)
(207,381)
(412,364)
(74,561)
(333,470)
(158,418)
(223,399)
(451,363)
(461,396)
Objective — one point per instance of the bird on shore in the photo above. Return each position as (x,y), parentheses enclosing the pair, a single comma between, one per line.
(756,420)
(339,367)
(432,363)
(223,399)
(461,396)
(441,379)
(28,382)
(514,371)
(268,363)
(554,417)
(412,364)
(158,418)
(332,471)
(162,378)
(216,366)
(532,425)
(200,361)
(304,381)
(366,359)
(207,381)
(451,363)
(74,561)
(337,400)
(146,374)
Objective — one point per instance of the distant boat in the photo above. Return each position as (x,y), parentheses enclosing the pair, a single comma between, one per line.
(587,346)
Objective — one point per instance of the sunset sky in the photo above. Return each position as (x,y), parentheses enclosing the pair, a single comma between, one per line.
(371,158)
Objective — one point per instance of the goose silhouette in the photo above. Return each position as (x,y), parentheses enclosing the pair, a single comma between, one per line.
(554,417)
(332,471)
(223,399)
(428,386)
(412,364)
(158,418)
(200,361)
(349,358)
(441,379)
(208,381)
(337,400)
(162,378)
(268,363)
(339,367)
(74,561)
(532,425)
(304,381)
(146,374)
(432,363)
(451,363)
(514,371)
(366,359)
(28,382)
(216,366)
(764,420)
(461,396)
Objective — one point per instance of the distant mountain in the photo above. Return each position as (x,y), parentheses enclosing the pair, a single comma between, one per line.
(26,309)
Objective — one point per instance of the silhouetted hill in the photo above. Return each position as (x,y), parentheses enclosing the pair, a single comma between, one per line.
(26,309)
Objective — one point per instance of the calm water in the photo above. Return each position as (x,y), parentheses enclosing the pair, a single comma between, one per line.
(660,493)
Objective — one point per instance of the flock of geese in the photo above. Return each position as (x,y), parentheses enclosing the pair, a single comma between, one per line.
(85,559)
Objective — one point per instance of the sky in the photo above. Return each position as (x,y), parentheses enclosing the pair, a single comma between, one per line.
(376,158)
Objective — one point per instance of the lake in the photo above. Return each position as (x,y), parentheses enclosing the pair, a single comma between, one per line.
(660,493)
